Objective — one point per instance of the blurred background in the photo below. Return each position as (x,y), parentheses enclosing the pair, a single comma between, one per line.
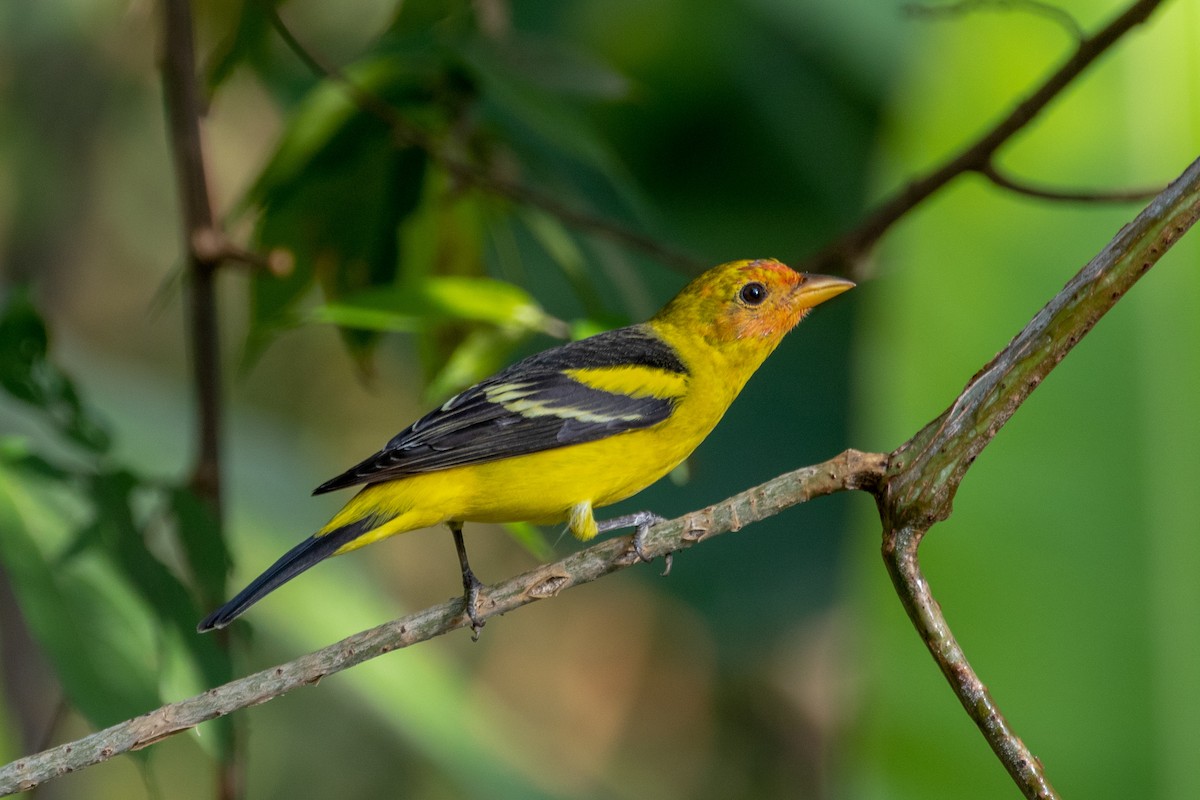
(776,662)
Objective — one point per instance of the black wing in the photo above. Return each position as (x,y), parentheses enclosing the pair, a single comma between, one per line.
(529,407)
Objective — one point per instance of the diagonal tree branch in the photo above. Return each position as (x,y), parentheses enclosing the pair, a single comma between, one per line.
(850,470)
(949,444)
(844,254)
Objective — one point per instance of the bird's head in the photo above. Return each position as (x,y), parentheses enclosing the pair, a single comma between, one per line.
(749,302)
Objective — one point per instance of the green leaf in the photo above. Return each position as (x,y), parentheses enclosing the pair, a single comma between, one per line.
(203,543)
(554,139)
(334,195)
(23,356)
(583,328)
(88,537)
(445,234)
(528,113)
(548,64)
(163,593)
(418,18)
(531,538)
(563,250)
(248,43)
(28,374)
(480,353)
(94,653)
(15,452)
(442,299)
(485,300)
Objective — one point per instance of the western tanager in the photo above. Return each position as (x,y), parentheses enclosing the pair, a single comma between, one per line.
(567,430)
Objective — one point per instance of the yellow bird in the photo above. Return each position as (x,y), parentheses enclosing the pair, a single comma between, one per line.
(568,430)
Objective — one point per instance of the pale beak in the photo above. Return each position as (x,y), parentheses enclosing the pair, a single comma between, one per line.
(816,289)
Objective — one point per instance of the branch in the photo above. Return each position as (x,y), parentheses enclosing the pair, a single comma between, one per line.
(843,254)
(213,246)
(993,174)
(851,470)
(1045,10)
(911,502)
(183,116)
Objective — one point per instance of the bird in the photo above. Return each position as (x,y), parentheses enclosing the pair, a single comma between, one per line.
(565,431)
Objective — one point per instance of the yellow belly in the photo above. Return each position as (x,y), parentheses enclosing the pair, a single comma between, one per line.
(543,487)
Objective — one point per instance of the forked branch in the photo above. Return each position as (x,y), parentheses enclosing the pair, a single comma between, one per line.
(913,500)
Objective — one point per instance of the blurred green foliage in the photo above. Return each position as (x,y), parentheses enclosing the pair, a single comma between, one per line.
(430,217)
(105,672)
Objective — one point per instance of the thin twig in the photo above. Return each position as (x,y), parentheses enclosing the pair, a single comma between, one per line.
(948,445)
(410,134)
(1048,11)
(993,174)
(850,470)
(844,254)
(213,246)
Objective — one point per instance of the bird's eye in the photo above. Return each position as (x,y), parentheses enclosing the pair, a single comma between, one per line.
(753,293)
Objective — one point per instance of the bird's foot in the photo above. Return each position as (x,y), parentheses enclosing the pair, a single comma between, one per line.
(642,522)
(471,589)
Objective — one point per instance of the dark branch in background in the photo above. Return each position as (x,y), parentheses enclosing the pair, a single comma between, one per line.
(1073,195)
(410,134)
(183,106)
(947,10)
(212,246)
(183,116)
(850,470)
(845,254)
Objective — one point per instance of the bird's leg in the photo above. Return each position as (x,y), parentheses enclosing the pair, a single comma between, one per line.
(471,584)
(641,521)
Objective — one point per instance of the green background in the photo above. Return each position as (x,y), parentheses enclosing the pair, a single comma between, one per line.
(772,663)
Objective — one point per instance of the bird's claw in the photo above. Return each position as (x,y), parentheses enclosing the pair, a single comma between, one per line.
(645,521)
(641,522)
(471,589)
(639,541)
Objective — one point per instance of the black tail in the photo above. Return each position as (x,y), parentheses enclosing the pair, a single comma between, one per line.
(293,562)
